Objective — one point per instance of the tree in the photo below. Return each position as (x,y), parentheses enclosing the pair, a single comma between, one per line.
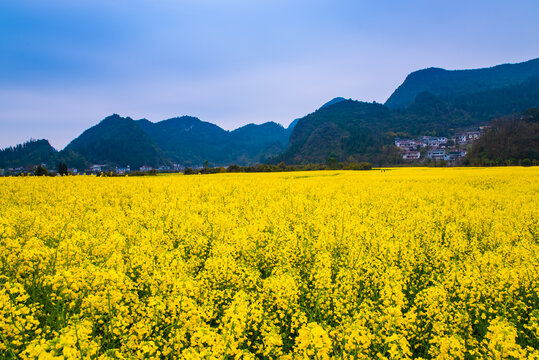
(62,168)
(233,168)
(41,171)
(332,161)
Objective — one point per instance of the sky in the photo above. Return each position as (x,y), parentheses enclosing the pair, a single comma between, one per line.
(65,65)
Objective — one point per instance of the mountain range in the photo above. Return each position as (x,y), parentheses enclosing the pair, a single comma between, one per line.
(457,85)
(429,102)
(432,101)
(186,140)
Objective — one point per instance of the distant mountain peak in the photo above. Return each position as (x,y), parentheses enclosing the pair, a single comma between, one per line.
(29,153)
(117,140)
(450,84)
(333,101)
(187,123)
(113,117)
(190,141)
(184,118)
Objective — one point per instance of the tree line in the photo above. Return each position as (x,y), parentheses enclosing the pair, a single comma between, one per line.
(281,167)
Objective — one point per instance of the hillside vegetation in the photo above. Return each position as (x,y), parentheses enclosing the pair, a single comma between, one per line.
(510,140)
(358,131)
(30,153)
(456,84)
(430,102)
(189,141)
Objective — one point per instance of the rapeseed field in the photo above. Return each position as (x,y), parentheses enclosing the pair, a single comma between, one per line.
(406,263)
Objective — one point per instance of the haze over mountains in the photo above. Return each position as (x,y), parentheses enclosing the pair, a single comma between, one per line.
(430,101)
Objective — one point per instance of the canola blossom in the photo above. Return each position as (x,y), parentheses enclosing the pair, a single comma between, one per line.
(408,263)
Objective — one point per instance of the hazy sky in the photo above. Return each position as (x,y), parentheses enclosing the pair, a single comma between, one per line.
(65,65)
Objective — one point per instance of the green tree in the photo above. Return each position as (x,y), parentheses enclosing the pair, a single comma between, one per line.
(332,162)
(62,168)
(41,171)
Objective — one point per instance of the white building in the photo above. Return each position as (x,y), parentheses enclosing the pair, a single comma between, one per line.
(473,135)
(466,137)
(434,142)
(454,155)
(436,154)
(411,155)
(406,143)
(121,171)
(459,138)
(96,168)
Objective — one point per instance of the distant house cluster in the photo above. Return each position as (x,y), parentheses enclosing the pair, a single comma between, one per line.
(450,149)
(92,169)
(18,169)
(123,170)
(99,168)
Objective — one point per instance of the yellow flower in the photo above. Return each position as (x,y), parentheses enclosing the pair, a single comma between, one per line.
(408,263)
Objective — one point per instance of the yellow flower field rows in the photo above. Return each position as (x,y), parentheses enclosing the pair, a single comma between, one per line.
(406,263)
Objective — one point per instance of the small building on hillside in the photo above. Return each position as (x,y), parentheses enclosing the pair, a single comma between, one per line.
(433,142)
(466,137)
(97,168)
(473,135)
(454,155)
(436,154)
(145,168)
(411,155)
(123,170)
(406,144)
(459,138)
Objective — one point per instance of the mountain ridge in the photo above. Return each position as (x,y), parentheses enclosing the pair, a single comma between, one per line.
(32,152)
(430,101)
(119,141)
(452,83)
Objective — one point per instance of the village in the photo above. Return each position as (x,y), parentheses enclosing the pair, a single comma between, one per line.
(450,149)
(93,169)
(96,169)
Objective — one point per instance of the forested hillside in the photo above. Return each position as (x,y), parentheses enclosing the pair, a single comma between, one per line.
(30,153)
(456,84)
(358,131)
(189,141)
(430,102)
(511,140)
(119,141)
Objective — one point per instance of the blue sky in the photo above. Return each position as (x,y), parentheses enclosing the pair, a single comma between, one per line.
(65,65)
